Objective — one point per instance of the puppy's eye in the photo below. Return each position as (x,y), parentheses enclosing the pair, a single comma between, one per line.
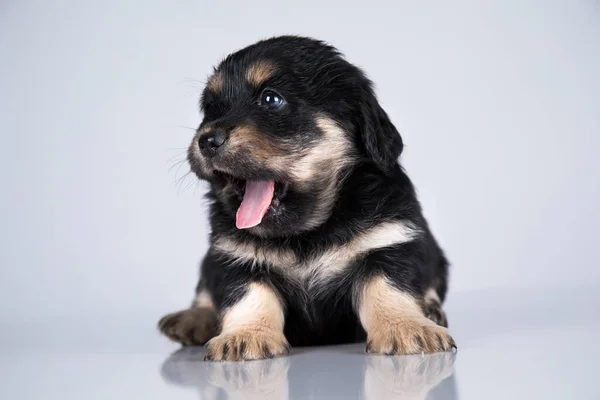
(271,100)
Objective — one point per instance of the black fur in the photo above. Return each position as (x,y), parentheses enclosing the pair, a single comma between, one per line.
(314,79)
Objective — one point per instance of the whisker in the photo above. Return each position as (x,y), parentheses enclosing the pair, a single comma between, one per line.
(179,167)
(178,155)
(179,182)
(177,148)
(196,186)
(189,185)
(187,127)
(177,164)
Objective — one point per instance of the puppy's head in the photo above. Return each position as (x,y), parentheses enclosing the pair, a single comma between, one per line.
(284,121)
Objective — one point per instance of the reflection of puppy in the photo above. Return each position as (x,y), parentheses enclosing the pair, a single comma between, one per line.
(266,379)
(317,234)
(411,377)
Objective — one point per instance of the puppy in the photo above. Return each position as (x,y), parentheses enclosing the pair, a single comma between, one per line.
(317,236)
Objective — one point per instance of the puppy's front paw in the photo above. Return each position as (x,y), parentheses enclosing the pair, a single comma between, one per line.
(247,343)
(190,327)
(413,335)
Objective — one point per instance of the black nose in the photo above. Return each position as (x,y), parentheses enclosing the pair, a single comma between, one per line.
(210,142)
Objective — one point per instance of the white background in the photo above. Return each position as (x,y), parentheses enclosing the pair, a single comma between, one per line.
(498,106)
(498,103)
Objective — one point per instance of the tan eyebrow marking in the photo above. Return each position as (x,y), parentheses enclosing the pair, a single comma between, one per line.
(215,82)
(259,72)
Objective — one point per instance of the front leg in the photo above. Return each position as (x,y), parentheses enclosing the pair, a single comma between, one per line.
(194,326)
(395,323)
(199,323)
(252,327)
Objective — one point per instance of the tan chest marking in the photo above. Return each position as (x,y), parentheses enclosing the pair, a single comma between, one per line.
(323,266)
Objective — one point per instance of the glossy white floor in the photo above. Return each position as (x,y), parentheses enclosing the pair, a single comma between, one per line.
(512,345)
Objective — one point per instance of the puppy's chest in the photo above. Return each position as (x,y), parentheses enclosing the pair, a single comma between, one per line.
(316,265)
(311,271)
(314,272)
(307,269)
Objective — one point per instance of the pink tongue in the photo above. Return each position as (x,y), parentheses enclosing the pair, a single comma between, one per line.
(255,203)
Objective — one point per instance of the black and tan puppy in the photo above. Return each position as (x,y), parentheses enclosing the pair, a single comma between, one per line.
(317,234)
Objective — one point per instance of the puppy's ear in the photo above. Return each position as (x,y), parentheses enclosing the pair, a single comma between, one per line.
(379,136)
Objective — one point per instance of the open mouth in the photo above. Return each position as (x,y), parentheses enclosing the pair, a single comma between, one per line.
(258,197)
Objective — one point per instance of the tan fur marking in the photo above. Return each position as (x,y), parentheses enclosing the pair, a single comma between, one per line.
(395,323)
(380,236)
(325,265)
(380,302)
(244,251)
(260,307)
(324,162)
(259,72)
(251,329)
(329,155)
(248,139)
(215,83)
